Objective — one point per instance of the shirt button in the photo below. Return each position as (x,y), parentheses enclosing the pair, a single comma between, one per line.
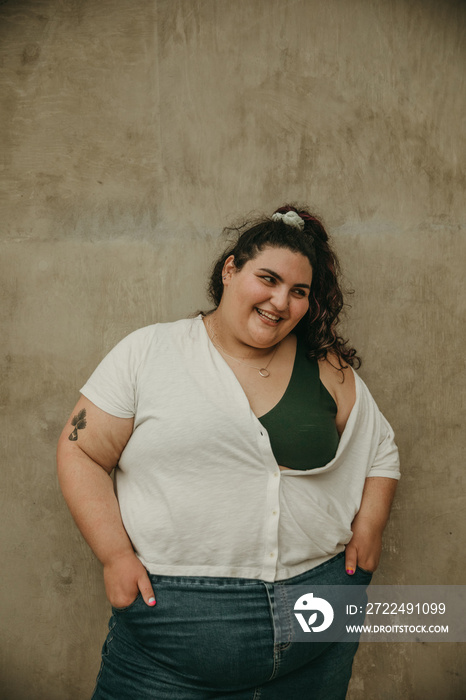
(276,474)
(272,554)
(274,512)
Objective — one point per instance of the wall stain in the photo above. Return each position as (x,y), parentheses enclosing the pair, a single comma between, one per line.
(31,54)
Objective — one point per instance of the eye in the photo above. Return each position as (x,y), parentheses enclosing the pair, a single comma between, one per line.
(300,292)
(268,279)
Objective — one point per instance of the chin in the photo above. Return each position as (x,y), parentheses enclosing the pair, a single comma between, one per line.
(267,337)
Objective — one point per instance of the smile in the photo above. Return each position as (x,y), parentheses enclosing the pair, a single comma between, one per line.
(268,316)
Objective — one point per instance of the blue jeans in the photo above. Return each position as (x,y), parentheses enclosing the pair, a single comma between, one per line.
(213,639)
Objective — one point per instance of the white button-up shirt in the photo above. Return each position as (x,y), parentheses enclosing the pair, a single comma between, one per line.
(199,489)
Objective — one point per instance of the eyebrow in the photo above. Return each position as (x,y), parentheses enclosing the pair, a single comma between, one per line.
(280,279)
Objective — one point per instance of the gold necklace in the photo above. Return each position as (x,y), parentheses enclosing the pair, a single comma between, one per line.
(263,371)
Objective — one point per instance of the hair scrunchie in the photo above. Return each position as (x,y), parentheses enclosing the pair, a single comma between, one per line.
(291,218)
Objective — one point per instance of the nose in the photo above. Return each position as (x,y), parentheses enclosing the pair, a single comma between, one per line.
(280,298)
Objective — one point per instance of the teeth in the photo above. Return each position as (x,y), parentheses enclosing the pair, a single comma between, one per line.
(267,315)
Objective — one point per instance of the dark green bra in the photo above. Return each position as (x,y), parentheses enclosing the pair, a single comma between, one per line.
(301,426)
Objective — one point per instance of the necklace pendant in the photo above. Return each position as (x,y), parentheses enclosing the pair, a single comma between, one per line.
(264,372)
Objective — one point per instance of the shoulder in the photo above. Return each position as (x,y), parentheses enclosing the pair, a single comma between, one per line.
(157,331)
(158,344)
(340,382)
(134,348)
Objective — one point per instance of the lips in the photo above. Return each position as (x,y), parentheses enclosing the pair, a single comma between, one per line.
(269,316)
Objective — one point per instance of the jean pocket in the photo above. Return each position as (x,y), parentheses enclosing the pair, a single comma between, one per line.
(364,571)
(130,606)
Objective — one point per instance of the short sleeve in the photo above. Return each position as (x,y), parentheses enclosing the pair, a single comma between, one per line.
(112,386)
(387,460)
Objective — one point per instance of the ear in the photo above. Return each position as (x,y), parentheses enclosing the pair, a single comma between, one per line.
(228,268)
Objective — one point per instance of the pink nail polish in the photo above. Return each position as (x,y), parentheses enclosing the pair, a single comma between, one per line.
(350,571)
(151,601)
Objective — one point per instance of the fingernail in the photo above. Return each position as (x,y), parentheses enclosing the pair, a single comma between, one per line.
(350,571)
(151,601)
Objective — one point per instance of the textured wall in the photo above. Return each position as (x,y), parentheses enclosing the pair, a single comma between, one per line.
(131,133)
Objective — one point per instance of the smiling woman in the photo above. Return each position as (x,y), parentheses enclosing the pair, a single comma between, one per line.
(248,455)
(310,240)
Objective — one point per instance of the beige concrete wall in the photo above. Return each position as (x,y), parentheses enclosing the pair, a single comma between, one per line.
(131,132)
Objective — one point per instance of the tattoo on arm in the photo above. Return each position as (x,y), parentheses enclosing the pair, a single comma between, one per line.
(79,422)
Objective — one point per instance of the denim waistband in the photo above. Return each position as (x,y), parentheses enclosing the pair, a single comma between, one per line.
(220,581)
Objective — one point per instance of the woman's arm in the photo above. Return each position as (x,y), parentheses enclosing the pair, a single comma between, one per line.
(365,546)
(88,450)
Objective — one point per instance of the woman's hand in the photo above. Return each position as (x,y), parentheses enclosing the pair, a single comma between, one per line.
(365,546)
(124,578)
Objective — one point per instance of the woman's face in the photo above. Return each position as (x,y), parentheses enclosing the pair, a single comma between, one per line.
(265,300)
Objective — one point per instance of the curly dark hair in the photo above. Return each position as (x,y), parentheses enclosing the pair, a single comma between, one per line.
(318,327)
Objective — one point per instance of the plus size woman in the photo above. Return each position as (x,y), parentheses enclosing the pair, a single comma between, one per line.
(249,457)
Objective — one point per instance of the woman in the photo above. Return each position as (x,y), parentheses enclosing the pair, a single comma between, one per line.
(250,457)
